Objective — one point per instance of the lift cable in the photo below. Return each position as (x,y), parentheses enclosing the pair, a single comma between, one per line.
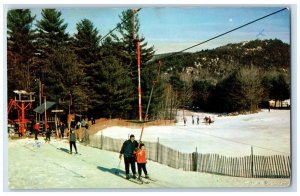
(136,11)
(176,53)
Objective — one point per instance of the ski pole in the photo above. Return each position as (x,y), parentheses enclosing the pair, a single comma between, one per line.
(118,169)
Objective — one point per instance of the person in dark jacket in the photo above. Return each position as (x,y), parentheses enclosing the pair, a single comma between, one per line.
(48,133)
(127,150)
(62,128)
(72,141)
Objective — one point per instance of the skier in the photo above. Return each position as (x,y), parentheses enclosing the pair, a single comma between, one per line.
(48,133)
(206,119)
(209,120)
(184,120)
(36,128)
(127,150)
(141,160)
(192,119)
(93,120)
(72,141)
(62,129)
(198,120)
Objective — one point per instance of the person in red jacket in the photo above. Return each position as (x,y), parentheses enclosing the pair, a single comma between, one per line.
(36,128)
(141,160)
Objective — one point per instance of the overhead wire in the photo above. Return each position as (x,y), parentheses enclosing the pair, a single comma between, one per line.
(222,34)
(118,25)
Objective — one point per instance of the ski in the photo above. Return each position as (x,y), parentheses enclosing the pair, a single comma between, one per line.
(74,153)
(151,179)
(140,182)
(144,181)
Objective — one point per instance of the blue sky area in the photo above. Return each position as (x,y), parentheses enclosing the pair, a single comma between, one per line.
(171,29)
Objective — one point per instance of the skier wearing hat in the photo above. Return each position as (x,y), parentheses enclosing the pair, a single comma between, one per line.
(127,150)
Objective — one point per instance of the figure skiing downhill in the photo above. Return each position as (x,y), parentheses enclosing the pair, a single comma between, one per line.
(141,160)
(72,141)
(127,150)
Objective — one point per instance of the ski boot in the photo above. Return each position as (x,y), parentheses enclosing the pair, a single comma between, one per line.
(134,176)
(127,176)
(147,176)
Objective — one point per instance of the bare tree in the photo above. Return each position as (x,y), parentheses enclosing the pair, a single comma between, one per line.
(251,87)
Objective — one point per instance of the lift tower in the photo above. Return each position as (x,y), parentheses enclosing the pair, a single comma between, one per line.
(23,100)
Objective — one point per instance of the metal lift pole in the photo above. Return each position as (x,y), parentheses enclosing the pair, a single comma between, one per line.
(136,39)
(153,84)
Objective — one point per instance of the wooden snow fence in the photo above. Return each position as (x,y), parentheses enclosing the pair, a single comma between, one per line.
(253,166)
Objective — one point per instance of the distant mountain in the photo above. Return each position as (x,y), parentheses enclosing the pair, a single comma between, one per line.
(265,54)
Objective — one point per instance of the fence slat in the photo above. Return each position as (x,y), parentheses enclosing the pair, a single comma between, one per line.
(254,166)
(227,166)
(249,174)
(264,167)
(286,167)
(218,164)
(239,166)
(287,160)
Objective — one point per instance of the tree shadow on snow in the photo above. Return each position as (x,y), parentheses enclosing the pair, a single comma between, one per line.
(111,170)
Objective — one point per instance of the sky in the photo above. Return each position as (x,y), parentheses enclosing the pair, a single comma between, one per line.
(173,28)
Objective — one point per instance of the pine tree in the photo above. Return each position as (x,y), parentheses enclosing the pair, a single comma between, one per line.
(87,42)
(51,32)
(60,71)
(66,78)
(50,36)
(86,45)
(20,50)
(113,88)
(280,89)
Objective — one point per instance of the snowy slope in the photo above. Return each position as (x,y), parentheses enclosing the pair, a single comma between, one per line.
(51,167)
(268,133)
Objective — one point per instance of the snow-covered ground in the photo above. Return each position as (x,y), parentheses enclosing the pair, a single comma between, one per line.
(267,132)
(49,166)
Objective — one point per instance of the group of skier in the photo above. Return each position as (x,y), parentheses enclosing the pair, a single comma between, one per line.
(207,120)
(62,127)
(134,152)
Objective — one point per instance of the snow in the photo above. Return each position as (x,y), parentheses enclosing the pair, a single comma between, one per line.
(267,132)
(41,165)
(51,167)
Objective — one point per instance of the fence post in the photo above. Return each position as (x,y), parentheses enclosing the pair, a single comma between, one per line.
(252,172)
(86,137)
(194,160)
(101,140)
(157,149)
